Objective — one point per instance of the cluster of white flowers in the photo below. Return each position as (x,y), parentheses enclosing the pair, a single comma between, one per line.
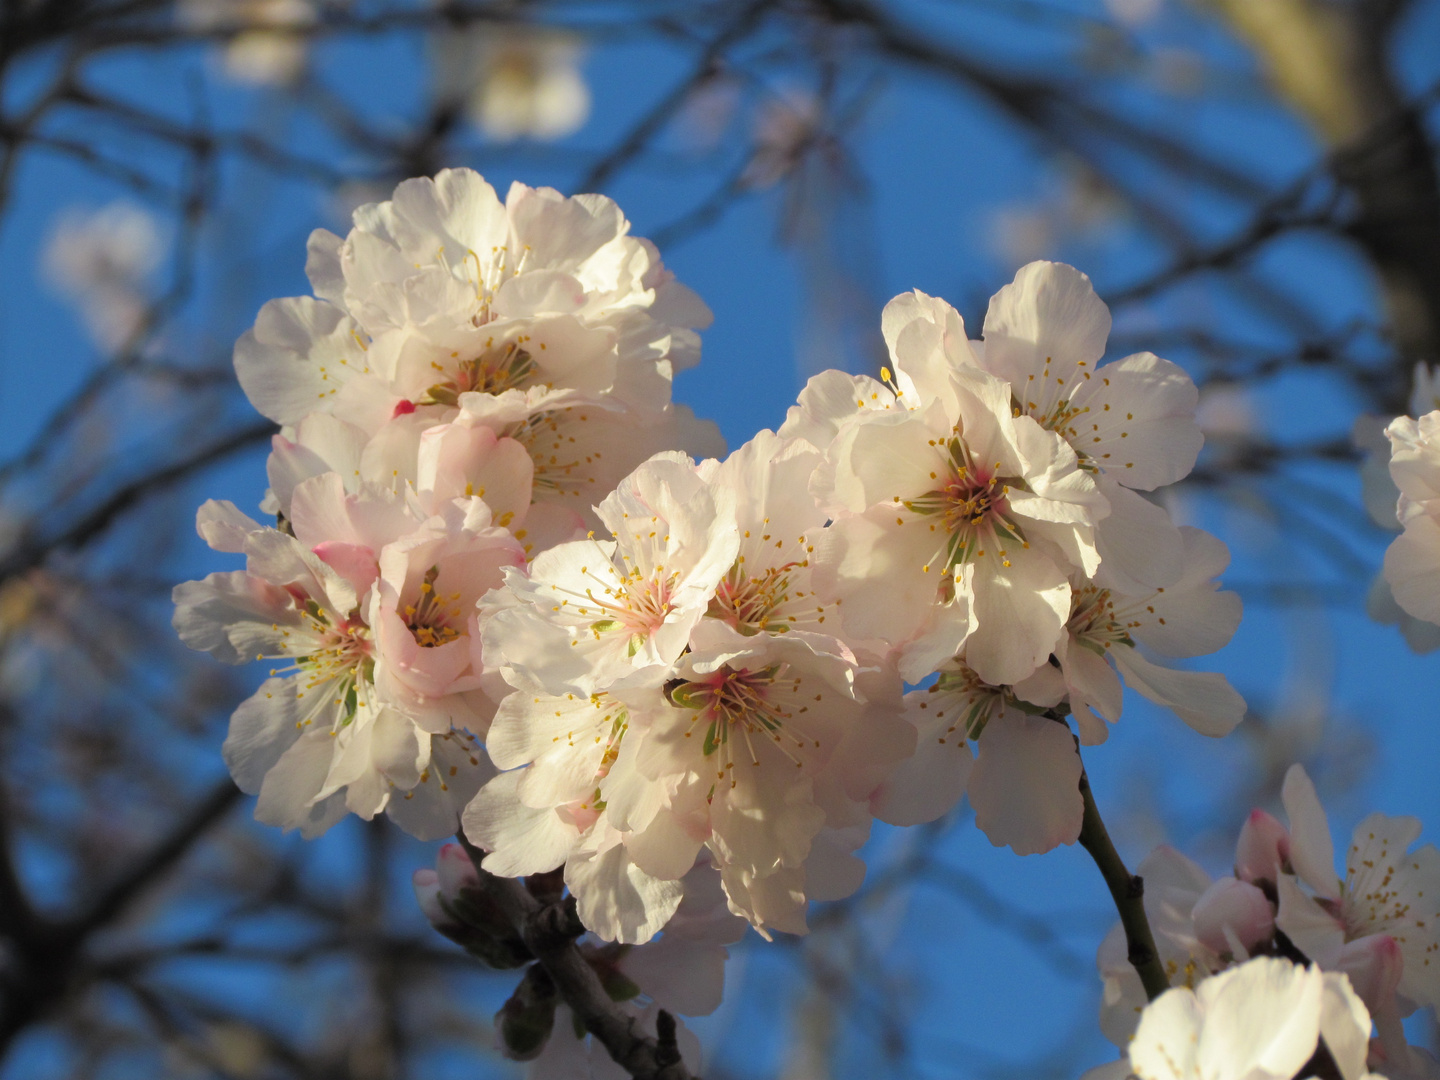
(1379,925)
(1267,1019)
(507,596)
(470,376)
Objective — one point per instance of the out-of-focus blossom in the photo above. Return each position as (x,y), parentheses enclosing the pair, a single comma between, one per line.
(102,261)
(1134,12)
(1412,563)
(270,42)
(1261,1020)
(787,128)
(516,81)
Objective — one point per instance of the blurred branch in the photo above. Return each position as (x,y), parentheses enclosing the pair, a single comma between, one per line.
(650,125)
(30,550)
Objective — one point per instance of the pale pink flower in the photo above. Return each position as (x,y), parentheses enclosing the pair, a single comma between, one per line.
(1261,1020)
(1130,422)
(1189,617)
(594,614)
(1388,891)
(1412,564)
(956,522)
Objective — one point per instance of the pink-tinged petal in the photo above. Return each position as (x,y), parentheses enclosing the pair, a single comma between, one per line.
(1232,911)
(1025,786)
(236,617)
(1263,848)
(1312,852)
(455,872)
(353,562)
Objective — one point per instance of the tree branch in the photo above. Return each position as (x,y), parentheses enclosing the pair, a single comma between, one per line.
(1128,892)
(550,930)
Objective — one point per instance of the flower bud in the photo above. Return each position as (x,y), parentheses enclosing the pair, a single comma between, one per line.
(1233,913)
(1263,849)
(451,898)
(525,1021)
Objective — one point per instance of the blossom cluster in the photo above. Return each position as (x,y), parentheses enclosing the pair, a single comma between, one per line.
(1378,926)
(470,376)
(514,587)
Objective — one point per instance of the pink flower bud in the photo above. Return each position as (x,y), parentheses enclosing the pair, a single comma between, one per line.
(1237,907)
(456,871)
(427,895)
(1263,848)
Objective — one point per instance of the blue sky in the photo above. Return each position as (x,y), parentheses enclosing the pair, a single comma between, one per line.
(941,171)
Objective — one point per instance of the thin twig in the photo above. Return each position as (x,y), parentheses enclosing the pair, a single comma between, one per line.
(1128,892)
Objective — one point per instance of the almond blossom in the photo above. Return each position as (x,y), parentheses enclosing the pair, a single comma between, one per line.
(1131,422)
(539,316)
(1189,617)
(370,604)
(1412,564)
(1261,1020)
(1383,914)
(595,614)
(956,522)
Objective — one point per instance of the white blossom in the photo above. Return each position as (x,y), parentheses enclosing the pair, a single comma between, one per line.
(269,45)
(1388,891)
(1412,564)
(956,522)
(1189,617)
(539,317)
(1261,1020)
(595,614)
(365,603)
(1131,422)
(103,261)
(516,81)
